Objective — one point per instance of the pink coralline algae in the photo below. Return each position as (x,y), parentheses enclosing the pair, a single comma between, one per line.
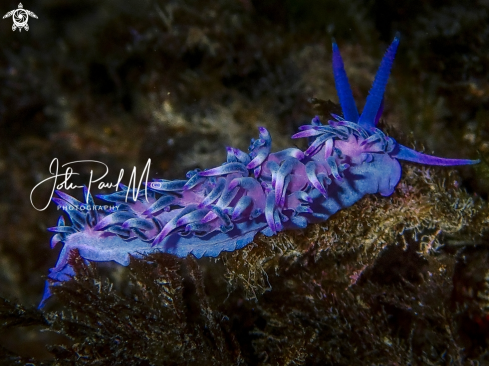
(223,208)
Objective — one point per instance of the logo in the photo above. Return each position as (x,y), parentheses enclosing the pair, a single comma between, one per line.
(62,181)
(20,17)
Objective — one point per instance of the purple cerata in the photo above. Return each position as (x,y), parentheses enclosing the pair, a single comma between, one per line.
(223,208)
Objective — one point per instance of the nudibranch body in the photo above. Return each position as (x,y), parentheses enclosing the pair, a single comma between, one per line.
(223,208)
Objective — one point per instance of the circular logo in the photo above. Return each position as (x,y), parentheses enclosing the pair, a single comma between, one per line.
(20,18)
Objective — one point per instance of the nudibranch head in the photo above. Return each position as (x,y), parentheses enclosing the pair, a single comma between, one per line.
(223,208)
(356,135)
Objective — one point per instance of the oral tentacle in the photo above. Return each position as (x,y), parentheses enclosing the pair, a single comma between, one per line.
(405,153)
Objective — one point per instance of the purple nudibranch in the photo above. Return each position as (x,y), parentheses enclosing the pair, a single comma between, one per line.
(222,209)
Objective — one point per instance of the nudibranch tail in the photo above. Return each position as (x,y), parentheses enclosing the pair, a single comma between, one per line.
(223,208)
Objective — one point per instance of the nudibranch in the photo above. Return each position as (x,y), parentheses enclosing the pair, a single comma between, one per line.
(223,208)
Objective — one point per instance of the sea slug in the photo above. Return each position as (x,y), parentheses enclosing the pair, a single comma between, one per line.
(223,208)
